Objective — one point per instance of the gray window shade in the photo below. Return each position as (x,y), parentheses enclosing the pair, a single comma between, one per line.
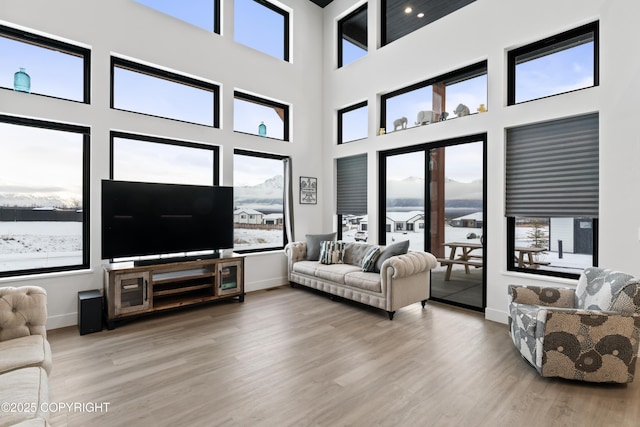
(352,185)
(552,168)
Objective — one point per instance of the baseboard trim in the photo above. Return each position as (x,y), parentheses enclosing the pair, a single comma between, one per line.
(496,315)
(265,284)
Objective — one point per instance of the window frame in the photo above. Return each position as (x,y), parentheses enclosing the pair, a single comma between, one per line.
(86,193)
(160,140)
(216,13)
(341,114)
(549,43)
(259,154)
(267,103)
(286,53)
(465,73)
(341,22)
(57,45)
(168,76)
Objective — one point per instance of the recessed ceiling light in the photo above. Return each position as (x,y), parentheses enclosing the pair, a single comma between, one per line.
(420,15)
(408,10)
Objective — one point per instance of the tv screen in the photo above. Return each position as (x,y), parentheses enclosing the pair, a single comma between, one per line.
(140,218)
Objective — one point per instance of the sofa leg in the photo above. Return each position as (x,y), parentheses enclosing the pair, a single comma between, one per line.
(423,302)
(391,313)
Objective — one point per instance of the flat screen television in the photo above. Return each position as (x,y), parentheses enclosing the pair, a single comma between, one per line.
(140,218)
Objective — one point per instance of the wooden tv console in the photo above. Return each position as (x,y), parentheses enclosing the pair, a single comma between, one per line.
(131,290)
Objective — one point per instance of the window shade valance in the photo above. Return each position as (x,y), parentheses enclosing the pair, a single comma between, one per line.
(552,168)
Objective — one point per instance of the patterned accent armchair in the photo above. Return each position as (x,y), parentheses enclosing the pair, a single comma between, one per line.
(588,334)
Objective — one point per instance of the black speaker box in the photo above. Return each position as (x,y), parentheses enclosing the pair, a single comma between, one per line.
(89,312)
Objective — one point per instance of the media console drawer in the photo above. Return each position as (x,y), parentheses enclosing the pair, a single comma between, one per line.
(135,290)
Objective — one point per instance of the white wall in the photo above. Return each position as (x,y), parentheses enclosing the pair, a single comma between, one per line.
(487,29)
(123,27)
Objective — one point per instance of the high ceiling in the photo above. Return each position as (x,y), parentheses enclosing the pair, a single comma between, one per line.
(322,3)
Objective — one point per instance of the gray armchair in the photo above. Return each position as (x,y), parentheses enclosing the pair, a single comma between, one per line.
(588,334)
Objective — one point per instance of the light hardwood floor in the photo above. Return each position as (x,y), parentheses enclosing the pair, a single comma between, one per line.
(292,357)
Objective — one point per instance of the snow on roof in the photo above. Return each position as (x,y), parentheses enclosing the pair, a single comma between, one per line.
(404,216)
(274,216)
(248,211)
(477,216)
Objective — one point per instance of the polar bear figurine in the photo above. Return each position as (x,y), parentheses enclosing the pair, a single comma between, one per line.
(400,123)
(461,110)
(425,117)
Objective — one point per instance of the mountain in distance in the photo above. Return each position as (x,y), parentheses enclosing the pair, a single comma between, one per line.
(40,200)
(408,193)
(265,197)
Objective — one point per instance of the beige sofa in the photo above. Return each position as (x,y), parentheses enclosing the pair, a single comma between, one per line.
(402,280)
(25,357)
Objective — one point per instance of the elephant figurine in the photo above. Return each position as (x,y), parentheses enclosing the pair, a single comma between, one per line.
(425,117)
(461,110)
(400,123)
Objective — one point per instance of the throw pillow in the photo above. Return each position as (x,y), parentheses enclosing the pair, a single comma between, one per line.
(399,248)
(369,260)
(331,252)
(313,244)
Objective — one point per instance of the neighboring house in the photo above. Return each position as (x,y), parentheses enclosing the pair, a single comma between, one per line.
(247,216)
(473,220)
(405,221)
(274,218)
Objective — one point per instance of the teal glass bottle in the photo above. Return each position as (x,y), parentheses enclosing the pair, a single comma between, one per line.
(262,129)
(21,81)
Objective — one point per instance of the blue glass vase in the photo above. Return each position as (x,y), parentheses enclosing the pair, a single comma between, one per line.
(21,81)
(262,129)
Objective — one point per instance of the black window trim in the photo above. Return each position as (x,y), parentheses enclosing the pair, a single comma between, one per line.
(272,156)
(267,103)
(86,191)
(286,29)
(548,42)
(52,44)
(341,113)
(170,76)
(461,74)
(161,140)
(351,14)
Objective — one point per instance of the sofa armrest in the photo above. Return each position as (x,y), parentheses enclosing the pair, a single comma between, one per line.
(296,251)
(23,312)
(408,264)
(542,296)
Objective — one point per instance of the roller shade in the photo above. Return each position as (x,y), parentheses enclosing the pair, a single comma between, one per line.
(552,168)
(352,185)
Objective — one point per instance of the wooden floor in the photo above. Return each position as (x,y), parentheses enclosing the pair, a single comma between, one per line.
(292,357)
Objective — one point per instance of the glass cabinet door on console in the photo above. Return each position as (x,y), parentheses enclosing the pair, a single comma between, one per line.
(229,277)
(131,292)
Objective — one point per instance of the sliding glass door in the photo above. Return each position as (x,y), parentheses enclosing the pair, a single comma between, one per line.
(434,196)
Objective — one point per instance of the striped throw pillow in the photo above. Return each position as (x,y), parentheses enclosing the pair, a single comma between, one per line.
(331,252)
(369,260)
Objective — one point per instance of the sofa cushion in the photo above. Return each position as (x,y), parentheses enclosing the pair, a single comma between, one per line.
(335,272)
(331,252)
(369,260)
(399,248)
(24,386)
(32,350)
(363,280)
(313,244)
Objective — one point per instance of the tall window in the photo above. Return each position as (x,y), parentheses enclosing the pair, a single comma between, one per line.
(558,64)
(40,65)
(263,26)
(552,196)
(259,198)
(259,116)
(44,192)
(400,18)
(352,36)
(147,90)
(353,123)
(456,94)
(202,13)
(351,180)
(151,159)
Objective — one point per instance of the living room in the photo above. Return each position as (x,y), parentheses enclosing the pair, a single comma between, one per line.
(312,88)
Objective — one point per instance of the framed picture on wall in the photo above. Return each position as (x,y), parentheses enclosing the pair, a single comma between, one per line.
(308,190)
